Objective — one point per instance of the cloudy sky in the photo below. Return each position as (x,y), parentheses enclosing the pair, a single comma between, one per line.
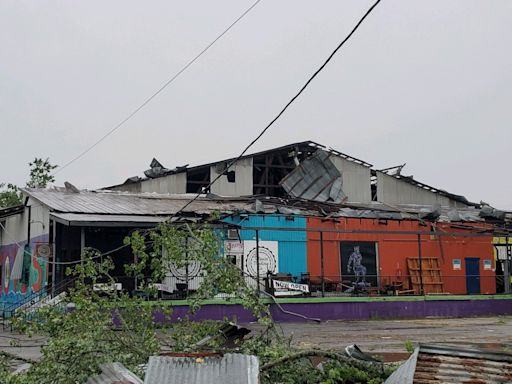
(427,83)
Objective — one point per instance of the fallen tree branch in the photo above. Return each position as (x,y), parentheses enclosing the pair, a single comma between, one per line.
(326,354)
(16,357)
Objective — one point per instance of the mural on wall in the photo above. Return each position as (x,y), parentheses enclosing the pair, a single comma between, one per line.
(24,268)
(268,257)
(241,253)
(359,263)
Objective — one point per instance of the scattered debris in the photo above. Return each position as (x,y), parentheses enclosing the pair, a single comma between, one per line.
(355,352)
(431,363)
(232,334)
(230,369)
(114,373)
(156,169)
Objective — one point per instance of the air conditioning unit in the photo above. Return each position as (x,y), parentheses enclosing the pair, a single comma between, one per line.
(233,234)
(44,250)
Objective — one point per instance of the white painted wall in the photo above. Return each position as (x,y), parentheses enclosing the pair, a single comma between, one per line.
(356,179)
(176,183)
(394,191)
(16,225)
(243,180)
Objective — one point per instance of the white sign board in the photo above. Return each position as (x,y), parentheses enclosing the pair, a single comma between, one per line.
(289,286)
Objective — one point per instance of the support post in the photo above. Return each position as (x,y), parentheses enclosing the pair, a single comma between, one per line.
(258,260)
(322,262)
(54,255)
(82,244)
(422,292)
(506,267)
(186,265)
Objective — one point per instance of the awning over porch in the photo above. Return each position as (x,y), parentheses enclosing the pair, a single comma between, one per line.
(102,220)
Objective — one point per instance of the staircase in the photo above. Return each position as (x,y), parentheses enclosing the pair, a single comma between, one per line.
(49,296)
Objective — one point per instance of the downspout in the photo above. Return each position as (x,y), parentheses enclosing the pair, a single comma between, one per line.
(29,220)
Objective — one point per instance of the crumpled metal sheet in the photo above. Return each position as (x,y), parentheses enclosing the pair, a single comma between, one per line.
(231,368)
(315,179)
(431,363)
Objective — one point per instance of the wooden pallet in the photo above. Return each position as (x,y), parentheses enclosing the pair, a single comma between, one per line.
(431,271)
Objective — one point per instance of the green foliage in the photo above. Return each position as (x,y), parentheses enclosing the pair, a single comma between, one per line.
(409,347)
(302,371)
(186,333)
(40,176)
(83,338)
(10,196)
(188,244)
(40,173)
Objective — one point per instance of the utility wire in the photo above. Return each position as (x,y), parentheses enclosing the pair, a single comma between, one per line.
(256,138)
(285,107)
(149,99)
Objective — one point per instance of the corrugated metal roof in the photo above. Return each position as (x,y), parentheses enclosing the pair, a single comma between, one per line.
(449,364)
(230,369)
(104,220)
(114,373)
(151,204)
(316,179)
(120,203)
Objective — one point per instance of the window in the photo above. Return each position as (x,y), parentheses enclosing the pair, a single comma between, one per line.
(231,176)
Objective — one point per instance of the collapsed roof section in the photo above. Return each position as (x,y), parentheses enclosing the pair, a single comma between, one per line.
(109,208)
(316,179)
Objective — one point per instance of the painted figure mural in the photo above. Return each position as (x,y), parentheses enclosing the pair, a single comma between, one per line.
(359,263)
(355,264)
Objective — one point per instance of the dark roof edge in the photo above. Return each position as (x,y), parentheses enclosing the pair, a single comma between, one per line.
(11,211)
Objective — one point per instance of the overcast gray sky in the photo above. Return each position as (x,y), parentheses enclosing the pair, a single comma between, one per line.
(428,83)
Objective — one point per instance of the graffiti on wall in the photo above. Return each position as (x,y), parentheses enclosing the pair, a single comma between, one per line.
(23,268)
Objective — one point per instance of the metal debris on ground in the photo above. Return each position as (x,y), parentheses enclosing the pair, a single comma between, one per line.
(229,369)
(114,373)
(231,333)
(431,363)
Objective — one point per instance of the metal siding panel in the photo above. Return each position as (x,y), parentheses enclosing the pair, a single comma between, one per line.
(292,257)
(230,369)
(292,245)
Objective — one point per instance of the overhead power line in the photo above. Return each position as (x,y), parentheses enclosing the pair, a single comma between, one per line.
(264,130)
(159,90)
(231,163)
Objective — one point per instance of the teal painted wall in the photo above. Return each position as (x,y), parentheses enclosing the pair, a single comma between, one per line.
(291,244)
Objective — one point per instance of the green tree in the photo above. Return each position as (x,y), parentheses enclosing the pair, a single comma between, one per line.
(40,173)
(40,176)
(9,195)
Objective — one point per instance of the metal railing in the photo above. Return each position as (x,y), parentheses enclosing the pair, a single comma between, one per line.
(26,302)
(307,285)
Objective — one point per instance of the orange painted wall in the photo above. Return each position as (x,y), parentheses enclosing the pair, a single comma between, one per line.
(394,249)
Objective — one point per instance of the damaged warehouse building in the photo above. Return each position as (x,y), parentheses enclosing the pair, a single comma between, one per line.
(300,219)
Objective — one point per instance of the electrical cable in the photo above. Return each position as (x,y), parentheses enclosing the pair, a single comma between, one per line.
(301,90)
(149,99)
(230,164)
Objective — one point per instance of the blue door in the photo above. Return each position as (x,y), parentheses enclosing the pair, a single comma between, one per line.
(473,275)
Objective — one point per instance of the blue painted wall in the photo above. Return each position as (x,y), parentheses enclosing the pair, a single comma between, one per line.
(291,244)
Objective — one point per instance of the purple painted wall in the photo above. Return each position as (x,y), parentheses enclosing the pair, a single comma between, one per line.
(356,310)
